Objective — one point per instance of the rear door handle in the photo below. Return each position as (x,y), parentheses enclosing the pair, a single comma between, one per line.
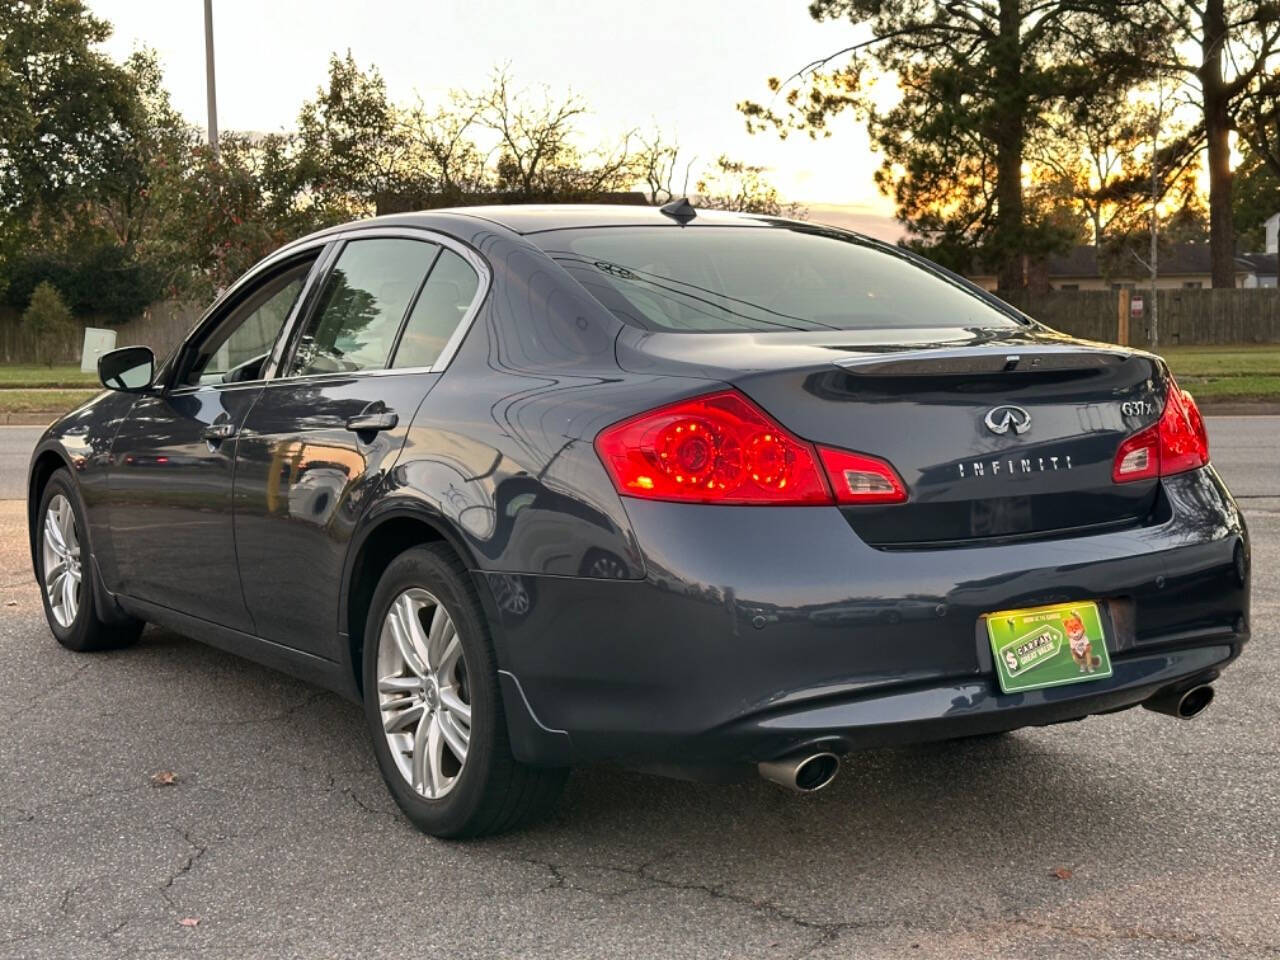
(373,422)
(217,432)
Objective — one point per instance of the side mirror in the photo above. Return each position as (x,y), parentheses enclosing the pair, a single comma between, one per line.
(129,369)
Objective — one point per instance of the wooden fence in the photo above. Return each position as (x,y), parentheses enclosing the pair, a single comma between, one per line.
(1185,317)
(161,327)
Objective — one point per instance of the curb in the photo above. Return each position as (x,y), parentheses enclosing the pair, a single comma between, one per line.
(1238,408)
(30,419)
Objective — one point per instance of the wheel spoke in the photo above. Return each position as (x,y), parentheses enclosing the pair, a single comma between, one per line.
(400,703)
(66,522)
(438,637)
(453,735)
(450,700)
(404,719)
(399,684)
(400,634)
(449,659)
(418,760)
(53,576)
(409,616)
(53,534)
(69,597)
(435,757)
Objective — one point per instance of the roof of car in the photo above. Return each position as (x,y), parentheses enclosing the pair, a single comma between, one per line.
(534,218)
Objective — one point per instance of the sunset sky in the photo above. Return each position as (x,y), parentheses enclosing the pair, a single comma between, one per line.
(677,66)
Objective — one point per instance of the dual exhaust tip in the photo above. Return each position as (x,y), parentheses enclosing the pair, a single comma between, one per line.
(806,773)
(810,772)
(1182,702)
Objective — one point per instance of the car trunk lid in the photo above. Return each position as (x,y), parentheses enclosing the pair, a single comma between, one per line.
(995,435)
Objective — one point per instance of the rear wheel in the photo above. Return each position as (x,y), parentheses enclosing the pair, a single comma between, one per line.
(434,708)
(64,568)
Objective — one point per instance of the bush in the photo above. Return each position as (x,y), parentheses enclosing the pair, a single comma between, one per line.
(47,320)
(100,281)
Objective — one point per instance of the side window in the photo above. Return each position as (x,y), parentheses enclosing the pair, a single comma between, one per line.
(238,347)
(440,308)
(360,309)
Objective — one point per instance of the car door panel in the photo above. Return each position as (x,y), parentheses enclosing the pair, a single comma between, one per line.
(172,466)
(304,475)
(169,495)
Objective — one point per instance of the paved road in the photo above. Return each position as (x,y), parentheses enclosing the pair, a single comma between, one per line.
(279,837)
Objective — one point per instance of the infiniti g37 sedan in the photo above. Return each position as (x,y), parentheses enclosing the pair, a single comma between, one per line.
(690,492)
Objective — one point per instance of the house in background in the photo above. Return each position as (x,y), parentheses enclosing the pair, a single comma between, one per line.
(1265,264)
(1264,269)
(1182,266)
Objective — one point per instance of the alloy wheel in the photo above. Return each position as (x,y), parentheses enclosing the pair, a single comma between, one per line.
(61,554)
(423,692)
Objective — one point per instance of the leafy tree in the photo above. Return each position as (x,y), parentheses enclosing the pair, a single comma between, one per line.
(734,185)
(222,215)
(978,81)
(64,106)
(351,143)
(47,320)
(101,280)
(63,120)
(1256,196)
(1118,162)
(538,158)
(445,166)
(1223,51)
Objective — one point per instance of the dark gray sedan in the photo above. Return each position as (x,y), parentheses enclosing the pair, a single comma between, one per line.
(697,493)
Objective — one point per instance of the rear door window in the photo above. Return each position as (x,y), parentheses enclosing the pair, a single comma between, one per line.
(363,304)
(440,307)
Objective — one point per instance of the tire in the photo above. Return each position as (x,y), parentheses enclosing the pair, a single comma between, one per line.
(64,573)
(453,693)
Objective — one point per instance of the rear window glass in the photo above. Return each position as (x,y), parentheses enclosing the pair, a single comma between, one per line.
(721,279)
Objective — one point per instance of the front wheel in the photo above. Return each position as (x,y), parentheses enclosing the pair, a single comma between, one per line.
(64,569)
(433,705)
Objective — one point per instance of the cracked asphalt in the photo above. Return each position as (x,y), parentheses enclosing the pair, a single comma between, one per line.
(279,837)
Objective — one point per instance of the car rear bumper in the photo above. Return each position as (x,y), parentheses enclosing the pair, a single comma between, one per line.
(759,632)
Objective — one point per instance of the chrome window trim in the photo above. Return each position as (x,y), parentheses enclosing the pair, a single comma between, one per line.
(421,234)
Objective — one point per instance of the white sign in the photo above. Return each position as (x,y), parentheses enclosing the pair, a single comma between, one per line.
(97,341)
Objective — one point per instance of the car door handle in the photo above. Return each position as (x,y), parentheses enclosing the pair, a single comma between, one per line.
(373,422)
(217,432)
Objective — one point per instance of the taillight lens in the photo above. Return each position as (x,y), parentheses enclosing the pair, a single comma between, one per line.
(1184,444)
(1176,443)
(722,448)
(858,478)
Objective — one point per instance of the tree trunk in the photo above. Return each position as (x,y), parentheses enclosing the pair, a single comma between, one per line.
(1010,135)
(1217,126)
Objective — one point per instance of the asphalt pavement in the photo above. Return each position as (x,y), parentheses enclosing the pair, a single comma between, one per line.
(1130,835)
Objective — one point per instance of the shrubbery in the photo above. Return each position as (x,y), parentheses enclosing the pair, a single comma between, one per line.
(48,321)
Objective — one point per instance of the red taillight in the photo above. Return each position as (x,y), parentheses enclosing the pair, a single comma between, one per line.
(722,448)
(858,478)
(1175,444)
(1184,444)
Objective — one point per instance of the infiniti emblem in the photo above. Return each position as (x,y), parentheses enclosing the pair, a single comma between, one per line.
(1000,419)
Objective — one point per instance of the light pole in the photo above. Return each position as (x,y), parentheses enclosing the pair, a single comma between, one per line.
(209,80)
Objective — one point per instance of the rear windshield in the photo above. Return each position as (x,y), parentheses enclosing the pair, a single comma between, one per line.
(704,279)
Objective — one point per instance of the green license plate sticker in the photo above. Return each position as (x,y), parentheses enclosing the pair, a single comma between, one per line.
(1048,646)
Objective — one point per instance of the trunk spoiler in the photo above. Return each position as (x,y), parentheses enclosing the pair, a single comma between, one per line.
(967,361)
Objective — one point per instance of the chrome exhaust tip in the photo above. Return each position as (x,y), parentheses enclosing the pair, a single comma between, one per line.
(1182,703)
(807,773)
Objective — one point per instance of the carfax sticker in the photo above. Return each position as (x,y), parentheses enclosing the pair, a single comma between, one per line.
(1048,646)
